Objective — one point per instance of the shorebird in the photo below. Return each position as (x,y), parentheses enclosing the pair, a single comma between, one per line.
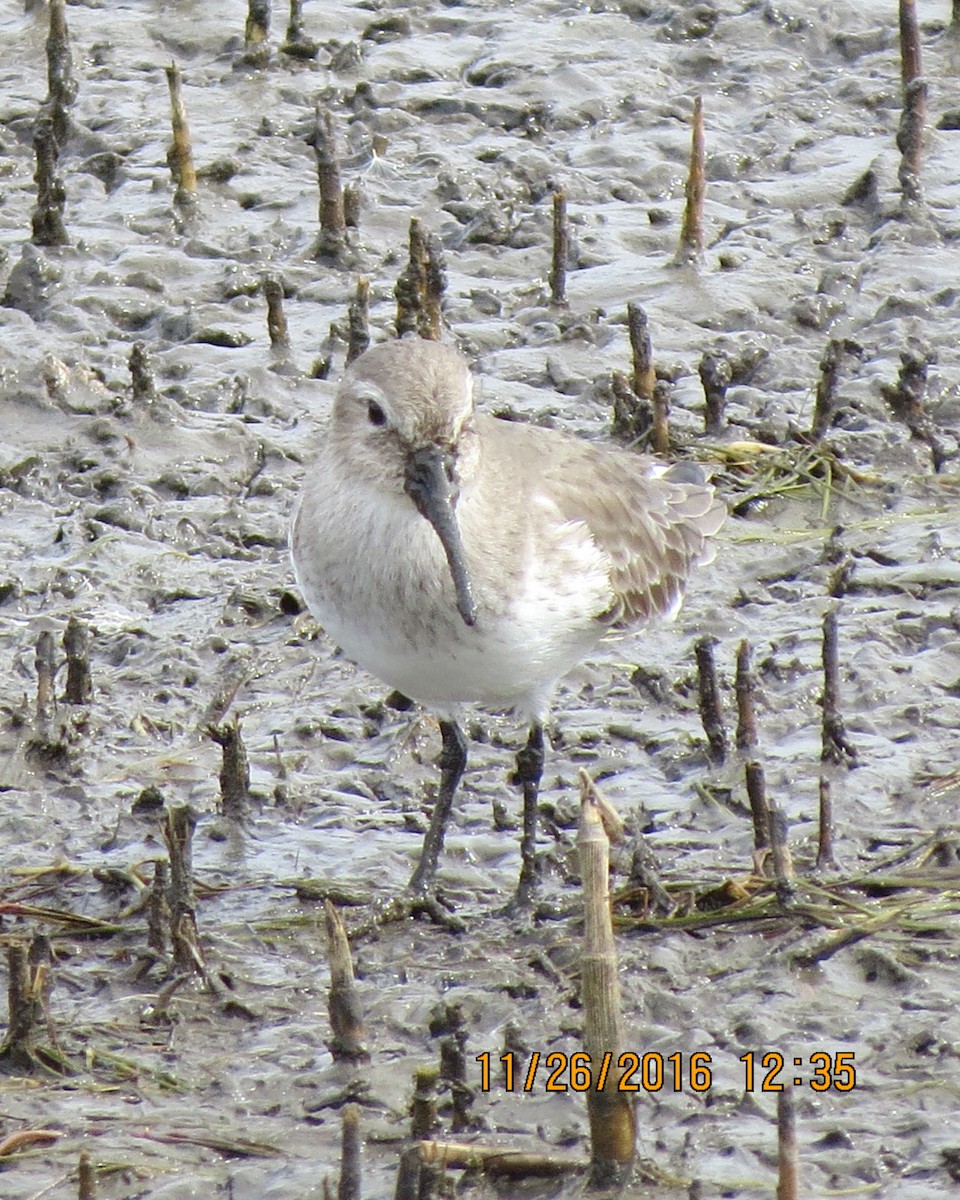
(464,559)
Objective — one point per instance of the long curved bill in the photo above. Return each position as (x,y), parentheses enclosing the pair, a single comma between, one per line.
(428,486)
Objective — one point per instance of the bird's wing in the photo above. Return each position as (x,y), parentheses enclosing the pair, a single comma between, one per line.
(651,522)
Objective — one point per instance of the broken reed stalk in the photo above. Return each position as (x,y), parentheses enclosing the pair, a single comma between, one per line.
(499,1162)
(780,855)
(826,388)
(351,205)
(453,1071)
(47,217)
(24,1012)
(349,1185)
(333,225)
(715,375)
(910,140)
(641,349)
(632,417)
(46,670)
(910,59)
(825,828)
(691,232)
(298,45)
(276,319)
(788,1157)
(295,23)
(708,700)
(76,643)
(343,1003)
(408,1174)
(611,1112)
(234,769)
(561,248)
(420,287)
(431,316)
(905,399)
(757,795)
(744,687)
(424,1107)
(158,910)
(86,1177)
(835,746)
(178,834)
(143,388)
(257,29)
(913,116)
(358,320)
(180,153)
(660,427)
(61,85)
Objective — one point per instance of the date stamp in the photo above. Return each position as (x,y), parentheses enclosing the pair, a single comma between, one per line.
(632,1071)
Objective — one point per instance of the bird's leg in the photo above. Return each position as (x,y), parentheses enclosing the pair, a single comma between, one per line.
(529,773)
(453,759)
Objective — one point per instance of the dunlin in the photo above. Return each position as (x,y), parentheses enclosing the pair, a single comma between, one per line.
(460,558)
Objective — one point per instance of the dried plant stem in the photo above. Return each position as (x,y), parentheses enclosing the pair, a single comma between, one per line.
(276,319)
(423,1110)
(906,399)
(24,1011)
(158,910)
(47,217)
(257,29)
(780,855)
(419,290)
(910,140)
(61,85)
(180,154)
(660,427)
(408,1174)
(143,388)
(453,1070)
(910,58)
(76,641)
(826,387)
(788,1158)
(825,834)
(611,1112)
(44,662)
(711,710)
(914,114)
(691,232)
(178,833)
(641,348)
(499,1162)
(746,736)
(333,225)
(757,795)
(632,416)
(715,375)
(298,45)
(234,769)
(358,320)
(86,1177)
(349,1186)
(835,746)
(561,248)
(346,1015)
(351,205)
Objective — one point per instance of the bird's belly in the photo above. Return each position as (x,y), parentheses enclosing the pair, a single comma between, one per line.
(501,663)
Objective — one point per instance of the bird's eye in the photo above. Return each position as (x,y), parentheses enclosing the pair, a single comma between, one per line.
(375,414)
